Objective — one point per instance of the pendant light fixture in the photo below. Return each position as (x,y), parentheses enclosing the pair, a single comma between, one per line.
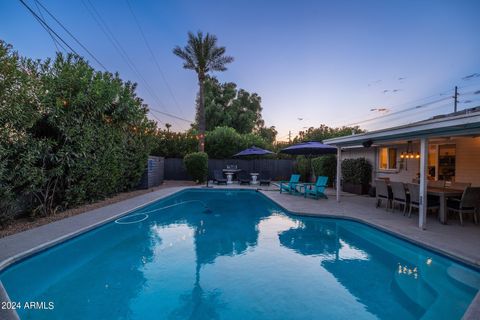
(409,154)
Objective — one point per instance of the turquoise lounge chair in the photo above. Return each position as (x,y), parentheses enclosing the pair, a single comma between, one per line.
(315,189)
(290,186)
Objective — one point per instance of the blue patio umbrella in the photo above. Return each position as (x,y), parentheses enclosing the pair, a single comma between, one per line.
(253,151)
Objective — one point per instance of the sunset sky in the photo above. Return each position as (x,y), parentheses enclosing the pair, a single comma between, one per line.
(312,62)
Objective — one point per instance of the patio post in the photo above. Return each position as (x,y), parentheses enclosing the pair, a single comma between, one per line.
(422,210)
(339,171)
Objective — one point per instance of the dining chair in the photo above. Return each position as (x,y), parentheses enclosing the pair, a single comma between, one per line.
(468,203)
(414,192)
(383,193)
(399,195)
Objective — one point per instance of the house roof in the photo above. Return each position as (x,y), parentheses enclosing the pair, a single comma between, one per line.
(465,122)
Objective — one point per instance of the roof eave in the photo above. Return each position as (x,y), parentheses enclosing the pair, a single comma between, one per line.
(450,126)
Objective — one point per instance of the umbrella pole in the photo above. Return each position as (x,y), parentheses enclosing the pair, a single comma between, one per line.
(312,170)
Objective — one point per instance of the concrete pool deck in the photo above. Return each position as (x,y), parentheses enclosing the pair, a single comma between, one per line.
(453,240)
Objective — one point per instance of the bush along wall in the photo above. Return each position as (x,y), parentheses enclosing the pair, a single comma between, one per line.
(303,167)
(68,134)
(196,164)
(357,174)
(326,166)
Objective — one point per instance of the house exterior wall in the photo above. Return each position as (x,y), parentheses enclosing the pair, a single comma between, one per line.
(467,168)
(406,170)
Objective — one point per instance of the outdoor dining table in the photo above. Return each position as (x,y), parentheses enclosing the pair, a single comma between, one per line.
(443,194)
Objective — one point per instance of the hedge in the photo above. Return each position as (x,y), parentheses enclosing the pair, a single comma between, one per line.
(68,134)
(357,171)
(197,166)
(326,166)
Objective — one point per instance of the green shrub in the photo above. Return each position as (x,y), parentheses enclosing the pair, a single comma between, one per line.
(68,134)
(326,166)
(250,139)
(223,142)
(357,171)
(302,167)
(196,164)
(174,144)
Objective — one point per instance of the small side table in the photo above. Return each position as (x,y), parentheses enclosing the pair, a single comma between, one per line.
(254,177)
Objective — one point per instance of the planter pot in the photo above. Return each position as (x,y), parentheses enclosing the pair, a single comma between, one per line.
(355,188)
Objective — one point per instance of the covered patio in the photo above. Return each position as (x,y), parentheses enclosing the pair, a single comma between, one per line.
(440,155)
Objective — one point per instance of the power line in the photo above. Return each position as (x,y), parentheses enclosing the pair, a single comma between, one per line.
(47,27)
(171,115)
(157,118)
(390,120)
(51,31)
(55,42)
(121,51)
(71,35)
(455,96)
(147,44)
(397,112)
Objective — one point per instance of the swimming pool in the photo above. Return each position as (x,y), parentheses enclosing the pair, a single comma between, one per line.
(217,254)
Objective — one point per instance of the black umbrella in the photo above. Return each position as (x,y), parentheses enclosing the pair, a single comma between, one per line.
(309,149)
(253,151)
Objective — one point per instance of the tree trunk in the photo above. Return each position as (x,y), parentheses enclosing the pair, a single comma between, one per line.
(201,114)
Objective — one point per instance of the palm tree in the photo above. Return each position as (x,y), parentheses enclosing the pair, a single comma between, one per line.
(202,55)
(168,126)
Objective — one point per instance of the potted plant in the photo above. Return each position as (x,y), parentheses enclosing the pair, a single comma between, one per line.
(357,174)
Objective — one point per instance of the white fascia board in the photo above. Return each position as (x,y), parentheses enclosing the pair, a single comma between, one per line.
(457,125)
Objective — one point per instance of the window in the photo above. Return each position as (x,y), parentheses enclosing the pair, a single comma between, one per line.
(387,158)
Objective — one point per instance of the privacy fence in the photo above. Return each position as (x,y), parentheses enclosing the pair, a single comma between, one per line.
(280,169)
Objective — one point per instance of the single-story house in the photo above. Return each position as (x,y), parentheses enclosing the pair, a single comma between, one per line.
(444,147)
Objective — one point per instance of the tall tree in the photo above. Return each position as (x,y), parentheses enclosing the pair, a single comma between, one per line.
(202,55)
(227,106)
(325,132)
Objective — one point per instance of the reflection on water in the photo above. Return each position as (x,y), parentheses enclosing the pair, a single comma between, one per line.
(242,259)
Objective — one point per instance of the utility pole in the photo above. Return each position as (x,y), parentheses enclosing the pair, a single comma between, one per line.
(455,99)
(289,136)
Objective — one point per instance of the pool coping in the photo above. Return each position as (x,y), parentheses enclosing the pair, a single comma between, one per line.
(471,313)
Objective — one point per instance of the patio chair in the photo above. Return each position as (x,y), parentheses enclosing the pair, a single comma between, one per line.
(436,183)
(219,178)
(264,178)
(315,189)
(243,177)
(468,203)
(414,191)
(399,195)
(459,185)
(383,193)
(290,186)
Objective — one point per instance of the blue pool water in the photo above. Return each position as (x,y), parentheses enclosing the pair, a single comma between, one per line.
(212,254)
